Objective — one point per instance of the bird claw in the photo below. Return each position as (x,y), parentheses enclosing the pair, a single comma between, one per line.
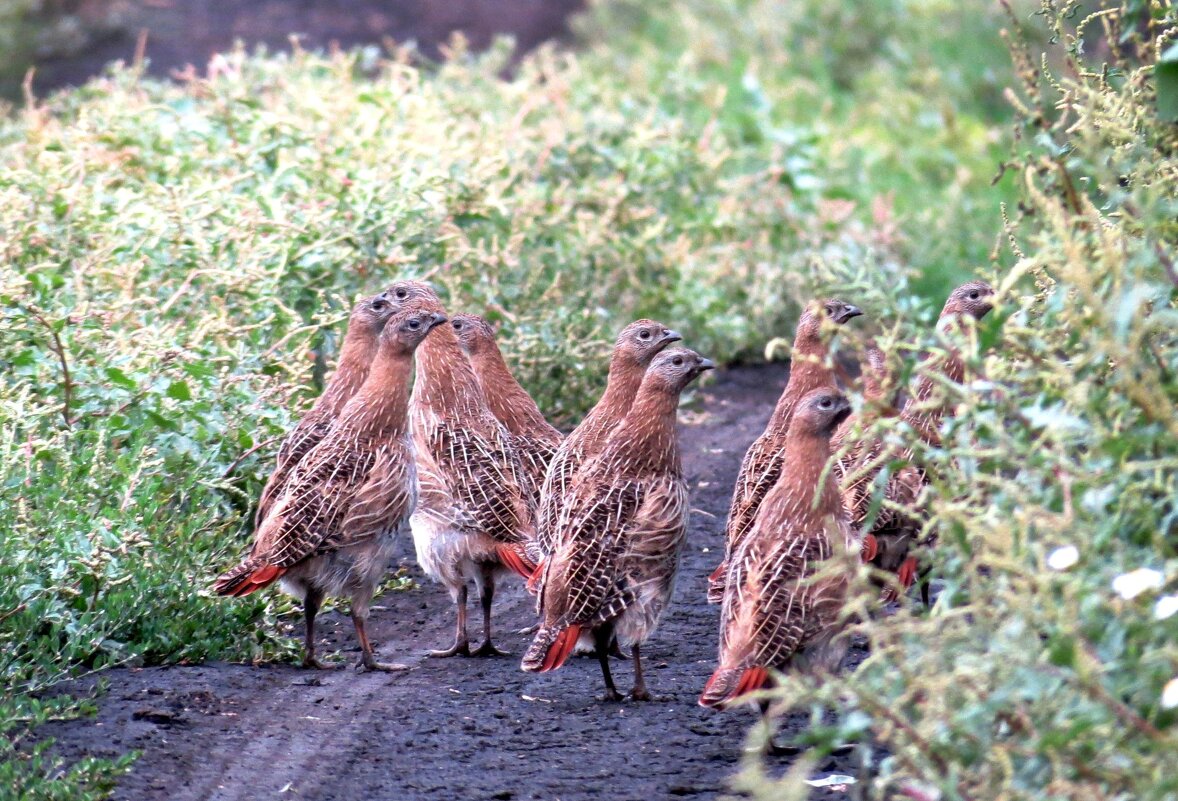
(457,649)
(488,649)
(610,697)
(315,663)
(773,749)
(640,695)
(371,665)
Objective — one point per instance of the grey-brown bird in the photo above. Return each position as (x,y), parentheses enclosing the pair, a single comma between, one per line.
(782,603)
(761,467)
(331,531)
(636,346)
(356,354)
(620,532)
(535,440)
(474,518)
(897,524)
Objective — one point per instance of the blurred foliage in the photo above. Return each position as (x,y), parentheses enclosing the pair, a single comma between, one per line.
(1043,671)
(179,260)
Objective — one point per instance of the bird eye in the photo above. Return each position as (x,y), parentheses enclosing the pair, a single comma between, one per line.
(677,361)
(402,293)
(825,403)
(457,325)
(414,325)
(973,295)
(644,334)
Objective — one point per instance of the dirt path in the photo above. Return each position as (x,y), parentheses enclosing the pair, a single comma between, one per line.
(456,728)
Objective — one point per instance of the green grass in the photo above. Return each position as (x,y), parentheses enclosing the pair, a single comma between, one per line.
(179,260)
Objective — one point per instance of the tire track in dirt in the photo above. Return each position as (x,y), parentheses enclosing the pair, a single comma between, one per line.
(457,728)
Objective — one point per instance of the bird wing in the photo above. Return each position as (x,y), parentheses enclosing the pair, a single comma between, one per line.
(759,471)
(583,584)
(382,503)
(482,474)
(317,499)
(557,479)
(309,432)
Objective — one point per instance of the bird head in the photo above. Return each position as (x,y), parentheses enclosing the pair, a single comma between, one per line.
(402,293)
(641,340)
(474,333)
(674,369)
(372,313)
(820,412)
(973,299)
(408,327)
(835,310)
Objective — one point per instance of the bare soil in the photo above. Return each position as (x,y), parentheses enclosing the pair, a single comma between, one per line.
(459,728)
(182,32)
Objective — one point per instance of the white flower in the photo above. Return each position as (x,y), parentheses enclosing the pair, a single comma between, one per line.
(1063,558)
(1130,585)
(1166,606)
(1170,694)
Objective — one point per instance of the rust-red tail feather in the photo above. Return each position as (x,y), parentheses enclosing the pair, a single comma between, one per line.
(250,576)
(728,684)
(514,558)
(561,649)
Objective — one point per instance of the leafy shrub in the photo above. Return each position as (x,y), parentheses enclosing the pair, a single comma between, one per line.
(1043,671)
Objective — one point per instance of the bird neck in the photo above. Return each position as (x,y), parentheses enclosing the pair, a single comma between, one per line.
(381,406)
(807,371)
(621,386)
(647,436)
(806,455)
(356,355)
(507,400)
(445,380)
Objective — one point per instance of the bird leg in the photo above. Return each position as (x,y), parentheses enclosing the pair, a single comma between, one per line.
(601,637)
(311,603)
(461,646)
(639,693)
(488,596)
(772,748)
(367,658)
(615,650)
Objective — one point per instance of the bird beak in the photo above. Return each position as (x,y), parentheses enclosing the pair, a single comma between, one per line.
(435,320)
(706,364)
(671,336)
(849,312)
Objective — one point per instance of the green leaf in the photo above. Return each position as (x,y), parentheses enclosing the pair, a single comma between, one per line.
(179,390)
(1166,76)
(120,378)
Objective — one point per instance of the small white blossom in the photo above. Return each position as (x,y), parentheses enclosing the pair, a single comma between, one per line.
(1166,606)
(1143,579)
(1170,694)
(1063,558)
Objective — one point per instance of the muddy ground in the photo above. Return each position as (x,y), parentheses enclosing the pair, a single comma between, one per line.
(181,32)
(458,728)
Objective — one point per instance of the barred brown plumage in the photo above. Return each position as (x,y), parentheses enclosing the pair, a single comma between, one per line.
(897,524)
(332,529)
(474,519)
(781,605)
(356,354)
(763,462)
(637,344)
(620,531)
(534,439)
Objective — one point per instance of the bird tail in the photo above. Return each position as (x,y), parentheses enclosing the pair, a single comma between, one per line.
(870,548)
(728,684)
(716,583)
(537,577)
(250,576)
(515,558)
(550,649)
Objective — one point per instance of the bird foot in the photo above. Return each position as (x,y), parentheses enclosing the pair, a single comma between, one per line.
(315,663)
(773,749)
(367,665)
(640,694)
(488,649)
(610,697)
(457,649)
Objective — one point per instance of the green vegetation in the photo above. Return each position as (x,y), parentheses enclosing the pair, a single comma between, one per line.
(178,261)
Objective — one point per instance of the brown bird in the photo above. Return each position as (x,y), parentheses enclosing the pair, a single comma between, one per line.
(359,349)
(762,464)
(535,441)
(332,530)
(893,531)
(636,345)
(620,532)
(474,519)
(781,604)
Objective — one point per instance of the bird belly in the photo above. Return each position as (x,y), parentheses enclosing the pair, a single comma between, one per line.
(343,572)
